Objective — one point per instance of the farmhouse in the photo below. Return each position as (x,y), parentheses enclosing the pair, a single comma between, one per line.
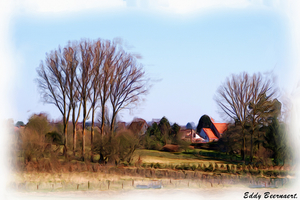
(138,126)
(214,132)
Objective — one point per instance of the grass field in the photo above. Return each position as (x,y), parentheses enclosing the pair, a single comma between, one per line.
(189,157)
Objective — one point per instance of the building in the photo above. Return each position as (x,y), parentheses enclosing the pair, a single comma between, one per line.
(214,132)
(138,126)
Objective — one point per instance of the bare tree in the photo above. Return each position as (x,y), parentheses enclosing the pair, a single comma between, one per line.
(234,97)
(85,84)
(52,83)
(128,84)
(98,60)
(71,64)
(106,73)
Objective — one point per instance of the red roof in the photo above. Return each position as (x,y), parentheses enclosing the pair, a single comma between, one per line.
(210,134)
(221,127)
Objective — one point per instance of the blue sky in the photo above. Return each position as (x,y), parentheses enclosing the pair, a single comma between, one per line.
(188,53)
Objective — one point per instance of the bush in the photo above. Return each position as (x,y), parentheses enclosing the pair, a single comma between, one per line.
(216,166)
(157,166)
(269,173)
(186,167)
(54,138)
(254,172)
(210,168)
(118,148)
(144,165)
(179,167)
(283,173)
(193,167)
(228,168)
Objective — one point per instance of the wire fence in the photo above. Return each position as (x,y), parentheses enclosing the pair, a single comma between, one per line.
(119,183)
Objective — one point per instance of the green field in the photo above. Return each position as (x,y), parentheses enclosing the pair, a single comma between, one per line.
(189,157)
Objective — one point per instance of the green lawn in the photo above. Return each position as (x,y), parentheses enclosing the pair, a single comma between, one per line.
(189,157)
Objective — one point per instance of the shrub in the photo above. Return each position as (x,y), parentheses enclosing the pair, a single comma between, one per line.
(193,167)
(157,165)
(199,167)
(283,173)
(228,168)
(216,166)
(268,173)
(186,167)
(254,172)
(54,138)
(210,168)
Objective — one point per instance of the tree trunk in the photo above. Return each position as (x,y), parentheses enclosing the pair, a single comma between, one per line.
(92,133)
(112,126)
(243,144)
(74,138)
(102,119)
(251,150)
(83,129)
(83,140)
(65,138)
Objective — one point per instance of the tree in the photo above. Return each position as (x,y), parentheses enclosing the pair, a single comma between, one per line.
(164,127)
(233,97)
(261,106)
(189,125)
(175,128)
(231,140)
(128,84)
(39,123)
(106,73)
(99,55)
(204,122)
(276,140)
(70,63)
(85,84)
(52,84)
(19,123)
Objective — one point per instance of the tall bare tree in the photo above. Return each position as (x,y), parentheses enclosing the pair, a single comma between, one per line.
(106,73)
(97,64)
(85,84)
(71,64)
(234,97)
(128,85)
(52,83)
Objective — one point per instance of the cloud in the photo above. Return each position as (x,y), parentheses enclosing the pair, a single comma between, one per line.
(55,6)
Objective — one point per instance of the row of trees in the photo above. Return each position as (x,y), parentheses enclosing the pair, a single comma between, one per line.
(251,102)
(88,75)
(162,133)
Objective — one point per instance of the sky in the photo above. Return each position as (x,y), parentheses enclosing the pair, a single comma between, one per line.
(188,50)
